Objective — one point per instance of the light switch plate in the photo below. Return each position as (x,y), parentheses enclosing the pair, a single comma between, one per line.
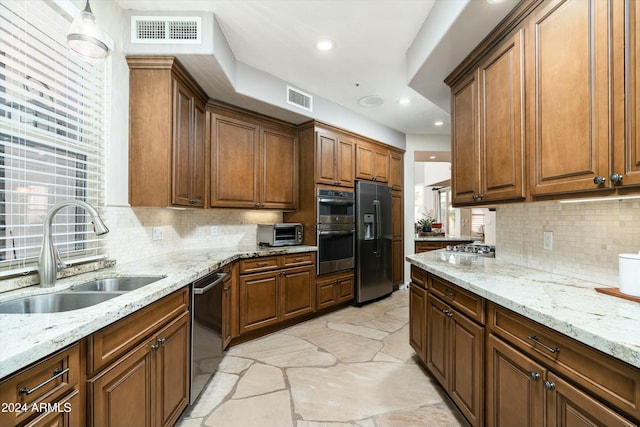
(156,233)
(548,240)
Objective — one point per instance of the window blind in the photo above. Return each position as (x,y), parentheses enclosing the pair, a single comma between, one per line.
(51,136)
(477,220)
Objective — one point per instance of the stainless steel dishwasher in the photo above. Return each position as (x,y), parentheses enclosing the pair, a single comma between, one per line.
(206,329)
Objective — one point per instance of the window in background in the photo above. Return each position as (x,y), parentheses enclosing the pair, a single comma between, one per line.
(51,136)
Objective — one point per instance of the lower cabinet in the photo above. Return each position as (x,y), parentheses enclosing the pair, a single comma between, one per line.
(418,320)
(276,289)
(148,383)
(333,289)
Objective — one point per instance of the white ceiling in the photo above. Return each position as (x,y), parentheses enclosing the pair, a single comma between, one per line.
(386,48)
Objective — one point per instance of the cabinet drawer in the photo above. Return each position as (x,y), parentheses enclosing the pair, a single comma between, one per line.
(45,382)
(429,246)
(467,302)
(612,380)
(255,265)
(419,277)
(294,260)
(110,343)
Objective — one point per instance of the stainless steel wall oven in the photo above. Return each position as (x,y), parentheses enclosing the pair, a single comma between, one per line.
(336,231)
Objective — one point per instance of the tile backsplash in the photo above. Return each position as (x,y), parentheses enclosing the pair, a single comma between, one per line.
(130,238)
(587,237)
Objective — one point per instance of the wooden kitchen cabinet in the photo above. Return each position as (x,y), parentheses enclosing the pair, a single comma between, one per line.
(488,130)
(397,239)
(334,158)
(54,381)
(139,369)
(396,170)
(167,137)
(418,320)
(252,165)
(372,162)
(275,294)
(334,289)
(570,126)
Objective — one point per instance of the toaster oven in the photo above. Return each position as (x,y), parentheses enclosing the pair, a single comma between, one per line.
(281,234)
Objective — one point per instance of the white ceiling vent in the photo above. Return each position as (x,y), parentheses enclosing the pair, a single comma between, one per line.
(299,98)
(166,29)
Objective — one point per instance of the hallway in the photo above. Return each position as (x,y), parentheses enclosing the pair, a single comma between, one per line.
(353,367)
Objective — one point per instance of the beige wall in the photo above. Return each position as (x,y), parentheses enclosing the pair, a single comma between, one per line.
(587,237)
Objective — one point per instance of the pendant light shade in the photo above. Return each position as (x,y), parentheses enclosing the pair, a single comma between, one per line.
(85,37)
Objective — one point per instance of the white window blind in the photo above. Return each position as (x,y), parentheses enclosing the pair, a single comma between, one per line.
(51,136)
(477,220)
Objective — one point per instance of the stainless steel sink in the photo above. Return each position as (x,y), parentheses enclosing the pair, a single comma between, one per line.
(117,284)
(55,302)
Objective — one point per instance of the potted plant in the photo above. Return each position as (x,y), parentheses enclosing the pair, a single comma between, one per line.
(425,223)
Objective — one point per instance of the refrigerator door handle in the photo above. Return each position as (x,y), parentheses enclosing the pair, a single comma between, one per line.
(377,227)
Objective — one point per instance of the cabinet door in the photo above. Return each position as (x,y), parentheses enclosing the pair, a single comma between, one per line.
(259,300)
(365,162)
(68,416)
(198,154)
(397,217)
(326,292)
(466,385)
(123,394)
(438,355)
(279,172)
(396,172)
(464,141)
(182,144)
(235,163)
(326,154)
(298,292)
(381,166)
(345,163)
(515,395)
(418,320)
(627,152)
(568,406)
(568,72)
(344,287)
(173,369)
(501,122)
(227,312)
(397,263)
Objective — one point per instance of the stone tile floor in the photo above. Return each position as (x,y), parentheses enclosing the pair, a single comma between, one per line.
(353,367)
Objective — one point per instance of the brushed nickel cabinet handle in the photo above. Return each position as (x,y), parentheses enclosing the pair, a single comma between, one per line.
(549,385)
(616,178)
(599,180)
(155,346)
(535,339)
(56,373)
(534,375)
(162,340)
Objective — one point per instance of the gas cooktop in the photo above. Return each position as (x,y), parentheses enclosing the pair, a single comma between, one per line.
(482,250)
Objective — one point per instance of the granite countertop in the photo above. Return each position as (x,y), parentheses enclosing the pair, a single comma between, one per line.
(446,239)
(27,338)
(567,305)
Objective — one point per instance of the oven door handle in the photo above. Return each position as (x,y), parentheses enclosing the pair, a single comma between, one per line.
(200,291)
(336,233)
(336,201)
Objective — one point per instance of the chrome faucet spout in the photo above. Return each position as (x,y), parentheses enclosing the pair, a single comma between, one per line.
(50,262)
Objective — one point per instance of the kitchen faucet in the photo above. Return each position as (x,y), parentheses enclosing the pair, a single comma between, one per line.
(50,262)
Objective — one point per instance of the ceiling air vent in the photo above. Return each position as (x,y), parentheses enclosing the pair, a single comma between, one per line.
(299,99)
(166,29)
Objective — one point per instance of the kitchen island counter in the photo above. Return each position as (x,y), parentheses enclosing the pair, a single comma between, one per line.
(568,305)
(26,338)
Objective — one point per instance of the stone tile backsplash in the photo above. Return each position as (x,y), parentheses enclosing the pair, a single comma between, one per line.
(587,237)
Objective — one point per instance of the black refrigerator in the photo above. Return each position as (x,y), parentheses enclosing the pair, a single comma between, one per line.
(373,242)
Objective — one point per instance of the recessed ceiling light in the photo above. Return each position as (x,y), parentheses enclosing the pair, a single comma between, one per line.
(438,123)
(404,101)
(495,1)
(325,44)
(432,157)
(371,101)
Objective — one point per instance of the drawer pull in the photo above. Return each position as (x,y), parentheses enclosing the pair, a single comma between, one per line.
(162,340)
(56,373)
(546,347)
(447,313)
(262,264)
(534,375)
(549,385)
(155,347)
(450,292)
(299,259)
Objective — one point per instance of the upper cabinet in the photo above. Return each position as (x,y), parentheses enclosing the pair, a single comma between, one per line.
(570,128)
(372,162)
(254,164)
(167,137)
(334,158)
(557,80)
(487,128)
(396,170)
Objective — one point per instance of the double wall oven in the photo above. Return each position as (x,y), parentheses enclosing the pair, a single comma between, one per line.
(336,230)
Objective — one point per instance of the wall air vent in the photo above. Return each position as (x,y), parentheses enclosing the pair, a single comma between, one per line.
(299,99)
(166,29)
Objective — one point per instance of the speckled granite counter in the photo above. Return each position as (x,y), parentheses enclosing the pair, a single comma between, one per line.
(26,338)
(567,305)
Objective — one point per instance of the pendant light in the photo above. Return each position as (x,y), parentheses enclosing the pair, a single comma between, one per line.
(85,37)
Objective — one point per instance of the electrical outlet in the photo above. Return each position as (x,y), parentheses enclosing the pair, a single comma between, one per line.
(156,233)
(548,240)
(214,230)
